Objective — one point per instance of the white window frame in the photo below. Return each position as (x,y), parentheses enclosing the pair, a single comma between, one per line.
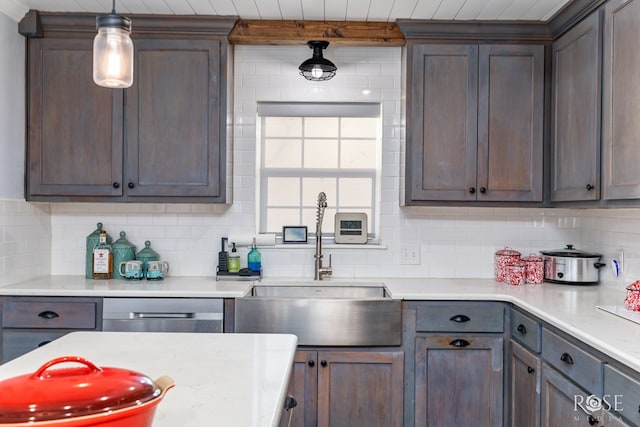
(319,109)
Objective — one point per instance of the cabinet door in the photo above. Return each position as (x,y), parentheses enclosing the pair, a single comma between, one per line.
(576,78)
(442,123)
(174,126)
(524,407)
(458,380)
(610,420)
(303,386)
(74,126)
(621,104)
(360,389)
(565,404)
(510,123)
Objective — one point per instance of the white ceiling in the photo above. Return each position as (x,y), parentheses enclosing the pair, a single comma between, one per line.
(330,10)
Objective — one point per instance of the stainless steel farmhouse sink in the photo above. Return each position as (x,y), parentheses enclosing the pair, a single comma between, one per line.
(322,315)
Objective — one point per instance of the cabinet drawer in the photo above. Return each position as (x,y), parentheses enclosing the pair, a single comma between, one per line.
(458,317)
(17,343)
(525,330)
(622,393)
(50,315)
(576,363)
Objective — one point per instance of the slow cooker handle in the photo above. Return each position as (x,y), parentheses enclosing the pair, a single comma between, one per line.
(599,264)
(64,359)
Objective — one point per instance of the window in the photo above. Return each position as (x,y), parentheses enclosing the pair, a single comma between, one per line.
(306,148)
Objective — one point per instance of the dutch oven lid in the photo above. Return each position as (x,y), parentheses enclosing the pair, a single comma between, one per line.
(62,393)
(570,252)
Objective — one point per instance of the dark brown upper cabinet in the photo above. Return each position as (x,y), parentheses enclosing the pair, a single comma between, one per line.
(474,123)
(621,103)
(161,140)
(576,85)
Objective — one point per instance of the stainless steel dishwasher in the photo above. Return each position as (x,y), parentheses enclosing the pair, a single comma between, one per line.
(162,315)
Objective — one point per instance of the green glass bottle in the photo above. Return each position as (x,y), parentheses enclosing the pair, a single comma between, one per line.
(254,259)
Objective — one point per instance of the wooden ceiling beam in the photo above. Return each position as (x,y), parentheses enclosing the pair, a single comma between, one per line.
(338,33)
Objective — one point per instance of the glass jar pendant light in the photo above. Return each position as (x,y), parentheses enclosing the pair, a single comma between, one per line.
(113,51)
(317,68)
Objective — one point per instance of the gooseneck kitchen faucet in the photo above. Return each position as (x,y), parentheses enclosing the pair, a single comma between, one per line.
(320,270)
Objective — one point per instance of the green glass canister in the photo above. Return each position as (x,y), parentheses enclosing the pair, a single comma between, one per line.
(123,251)
(147,254)
(92,241)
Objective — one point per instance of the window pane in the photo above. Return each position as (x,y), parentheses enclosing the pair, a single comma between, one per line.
(321,153)
(358,154)
(282,153)
(355,191)
(282,126)
(359,127)
(283,192)
(320,127)
(309,219)
(311,187)
(276,218)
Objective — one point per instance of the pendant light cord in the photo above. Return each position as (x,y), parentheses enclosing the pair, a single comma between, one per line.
(113,7)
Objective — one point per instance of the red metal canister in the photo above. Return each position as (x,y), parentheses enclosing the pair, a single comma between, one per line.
(503,258)
(534,269)
(516,274)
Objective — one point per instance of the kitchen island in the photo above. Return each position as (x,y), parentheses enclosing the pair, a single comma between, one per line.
(232,380)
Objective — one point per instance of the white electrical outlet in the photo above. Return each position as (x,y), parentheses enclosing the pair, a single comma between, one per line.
(410,254)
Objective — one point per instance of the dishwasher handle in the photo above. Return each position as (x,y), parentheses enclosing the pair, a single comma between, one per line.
(155,315)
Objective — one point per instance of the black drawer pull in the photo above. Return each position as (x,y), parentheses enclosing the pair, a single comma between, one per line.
(530,370)
(460,318)
(459,343)
(43,343)
(323,363)
(472,190)
(589,187)
(521,328)
(48,314)
(566,358)
(311,363)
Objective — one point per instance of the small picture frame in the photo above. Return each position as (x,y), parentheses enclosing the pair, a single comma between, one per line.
(294,234)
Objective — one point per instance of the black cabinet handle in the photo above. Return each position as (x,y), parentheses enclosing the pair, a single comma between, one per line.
(460,318)
(521,328)
(589,187)
(592,420)
(530,370)
(483,190)
(43,343)
(116,185)
(131,185)
(311,363)
(459,343)
(48,314)
(323,363)
(566,358)
(472,190)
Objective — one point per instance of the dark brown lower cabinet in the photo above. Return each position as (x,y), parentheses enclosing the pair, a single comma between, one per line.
(458,380)
(524,387)
(347,388)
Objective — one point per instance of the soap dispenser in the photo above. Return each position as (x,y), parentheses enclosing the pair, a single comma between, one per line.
(234,260)
(254,259)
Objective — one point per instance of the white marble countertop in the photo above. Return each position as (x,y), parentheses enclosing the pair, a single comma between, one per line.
(226,380)
(570,308)
(180,287)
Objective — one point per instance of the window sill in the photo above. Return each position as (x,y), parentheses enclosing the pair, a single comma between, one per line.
(368,246)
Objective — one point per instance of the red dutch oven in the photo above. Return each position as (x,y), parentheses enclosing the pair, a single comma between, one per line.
(80,396)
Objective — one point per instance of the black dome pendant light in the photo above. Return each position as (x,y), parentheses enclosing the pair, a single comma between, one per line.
(317,68)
